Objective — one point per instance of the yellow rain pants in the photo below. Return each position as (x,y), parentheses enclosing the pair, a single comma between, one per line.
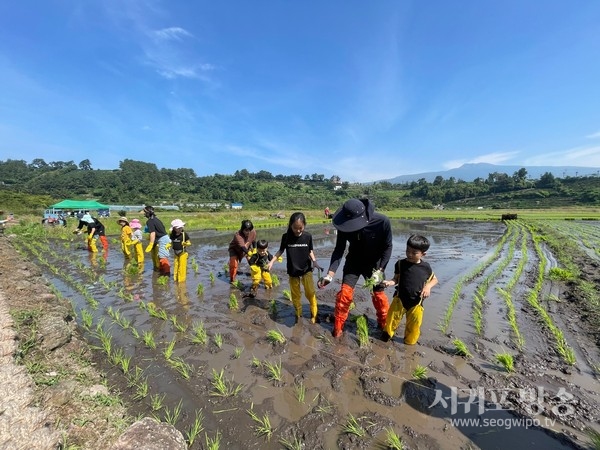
(414,319)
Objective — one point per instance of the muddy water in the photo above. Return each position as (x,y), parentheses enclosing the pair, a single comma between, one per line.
(375,385)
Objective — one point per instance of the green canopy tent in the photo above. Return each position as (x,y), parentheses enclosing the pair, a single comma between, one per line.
(79,205)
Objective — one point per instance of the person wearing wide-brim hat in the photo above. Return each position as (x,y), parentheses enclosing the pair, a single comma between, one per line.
(126,236)
(95,231)
(369,235)
(179,242)
(136,242)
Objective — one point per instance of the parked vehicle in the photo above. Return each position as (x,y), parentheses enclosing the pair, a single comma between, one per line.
(55,217)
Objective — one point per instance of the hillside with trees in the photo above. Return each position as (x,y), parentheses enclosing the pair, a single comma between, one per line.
(35,185)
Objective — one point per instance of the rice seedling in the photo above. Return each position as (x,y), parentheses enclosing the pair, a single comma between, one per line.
(86,319)
(594,437)
(173,416)
(300,391)
(273,307)
(392,440)
(213,443)
(294,444)
(157,401)
(506,359)
(200,289)
(256,363)
(420,372)
(275,280)
(116,357)
(194,265)
(222,386)
(237,352)
(233,302)
(143,306)
(134,378)
(199,333)
(362,331)
(287,294)
(149,341)
(168,351)
(211,278)
(162,280)
(174,320)
(132,269)
(226,267)
(135,333)
(273,370)
(275,337)
(105,340)
(374,280)
(195,428)
(262,425)
(184,369)
(141,389)
(353,427)
(238,284)
(218,340)
(461,348)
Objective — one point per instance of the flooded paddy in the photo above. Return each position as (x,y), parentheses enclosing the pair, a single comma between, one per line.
(191,348)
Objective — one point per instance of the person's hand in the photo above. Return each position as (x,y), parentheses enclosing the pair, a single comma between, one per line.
(377,277)
(168,245)
(149,247)
(324,281)
(133,242)
(317,266)
(186,243)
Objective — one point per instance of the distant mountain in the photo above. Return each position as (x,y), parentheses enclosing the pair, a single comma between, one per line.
(469,172)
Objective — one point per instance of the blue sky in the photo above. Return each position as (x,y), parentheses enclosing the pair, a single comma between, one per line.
(365,90)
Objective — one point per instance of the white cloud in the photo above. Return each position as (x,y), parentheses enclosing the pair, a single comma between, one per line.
(172,33)
(490,158)
(594,135)
(578,156)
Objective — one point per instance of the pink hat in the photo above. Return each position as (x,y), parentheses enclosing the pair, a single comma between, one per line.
(177,223)
(135,224)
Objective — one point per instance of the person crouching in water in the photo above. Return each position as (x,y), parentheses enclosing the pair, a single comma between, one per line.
(95,231)
(158,241)
(259,259)
(179,242)
(126,236)
(136,241)
(301,259)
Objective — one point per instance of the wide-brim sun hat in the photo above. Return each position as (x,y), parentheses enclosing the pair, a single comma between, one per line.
(123,219)
(177,223)
(135,224)
(352,216)
(87,218)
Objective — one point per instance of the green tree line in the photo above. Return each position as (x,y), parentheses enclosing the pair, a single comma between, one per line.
(137,182)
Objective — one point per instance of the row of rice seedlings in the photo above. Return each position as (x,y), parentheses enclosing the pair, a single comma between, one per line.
(484,285)
(562,346)
(222,386)
(233,302)
(199,334)
(262,426)
(445,323)
(362,331)
(275,337)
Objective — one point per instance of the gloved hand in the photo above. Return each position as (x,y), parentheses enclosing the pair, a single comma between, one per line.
(377,277)
(133,242)
(77,231)
(280,259)
(90,236)
(149,247)
(168,246)
(324,281)
(186,243)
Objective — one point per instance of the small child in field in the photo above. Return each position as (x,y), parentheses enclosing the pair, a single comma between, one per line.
(126,236)
(301,259)
(179,242)
(136,241)
(413,279)
(259,260)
